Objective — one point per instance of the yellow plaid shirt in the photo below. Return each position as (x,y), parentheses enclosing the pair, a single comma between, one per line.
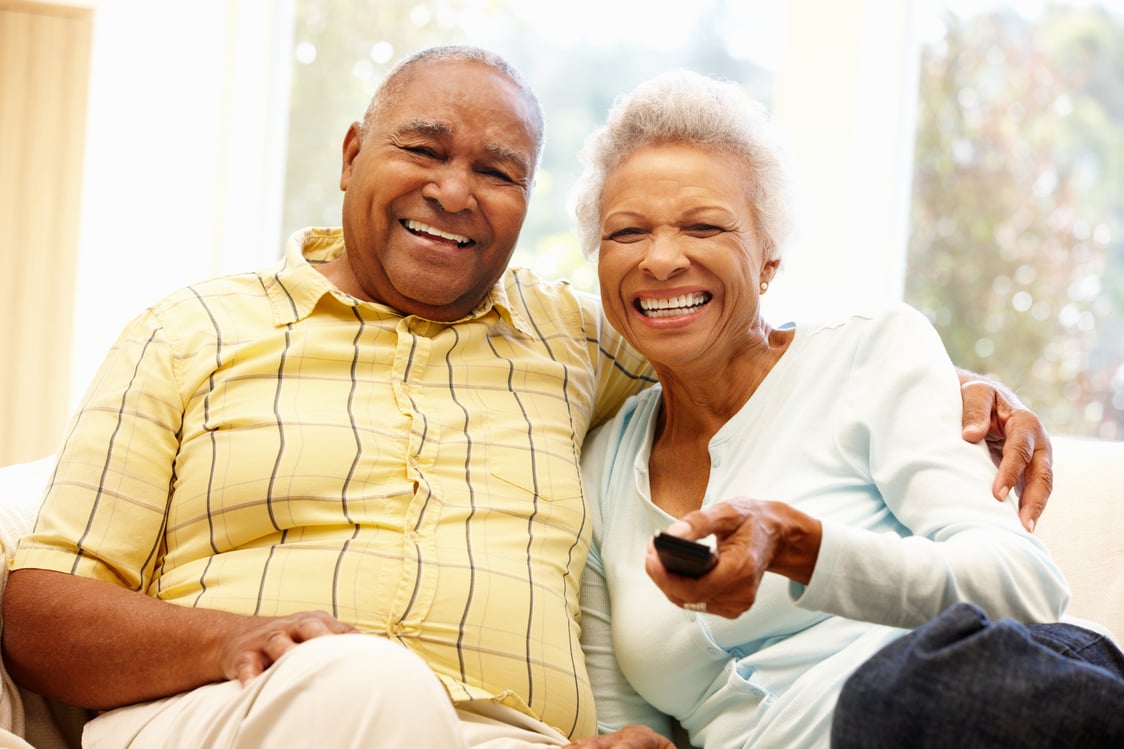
(265,444)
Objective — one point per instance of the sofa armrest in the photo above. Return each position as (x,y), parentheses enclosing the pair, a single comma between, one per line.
(1083,526)
(27,719)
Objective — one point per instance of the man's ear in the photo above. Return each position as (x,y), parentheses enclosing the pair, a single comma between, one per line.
(352,142)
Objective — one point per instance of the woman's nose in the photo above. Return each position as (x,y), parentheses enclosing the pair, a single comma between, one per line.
(665,257)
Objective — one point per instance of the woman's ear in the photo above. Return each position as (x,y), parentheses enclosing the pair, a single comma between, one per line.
(769,270)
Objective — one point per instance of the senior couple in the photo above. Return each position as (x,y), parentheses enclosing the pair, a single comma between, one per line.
(338,502)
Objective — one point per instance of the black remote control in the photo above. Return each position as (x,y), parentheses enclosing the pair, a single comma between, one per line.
(684,557)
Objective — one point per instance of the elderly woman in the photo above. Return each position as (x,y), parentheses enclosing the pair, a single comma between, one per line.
(839,523)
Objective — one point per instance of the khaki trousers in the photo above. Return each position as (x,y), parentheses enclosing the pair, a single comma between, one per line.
(330,692)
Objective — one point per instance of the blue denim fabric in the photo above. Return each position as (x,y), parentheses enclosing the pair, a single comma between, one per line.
(963,681)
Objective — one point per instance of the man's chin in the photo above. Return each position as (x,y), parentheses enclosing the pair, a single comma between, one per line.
(438,292)
(438,309)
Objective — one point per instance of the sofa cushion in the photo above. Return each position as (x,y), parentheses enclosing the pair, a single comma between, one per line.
(1083,527)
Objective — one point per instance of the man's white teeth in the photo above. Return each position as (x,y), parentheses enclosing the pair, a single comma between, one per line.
(684,304)
(420,228)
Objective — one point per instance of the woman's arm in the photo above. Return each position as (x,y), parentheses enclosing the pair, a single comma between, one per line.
(618,703)
(903,402)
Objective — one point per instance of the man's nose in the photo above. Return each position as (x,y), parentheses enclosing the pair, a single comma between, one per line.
(453,188)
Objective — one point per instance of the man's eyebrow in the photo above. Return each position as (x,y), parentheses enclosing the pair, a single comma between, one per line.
(442,129)
(425,127)
(509,155)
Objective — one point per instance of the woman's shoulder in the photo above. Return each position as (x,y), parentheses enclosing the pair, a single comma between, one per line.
(896,324)
(883,338)
(867,319)
(623,437)
(631,422)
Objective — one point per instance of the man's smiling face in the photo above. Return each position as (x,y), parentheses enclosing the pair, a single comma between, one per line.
(436,190)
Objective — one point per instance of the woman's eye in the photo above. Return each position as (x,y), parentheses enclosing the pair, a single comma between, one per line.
(703,230)
(631,234)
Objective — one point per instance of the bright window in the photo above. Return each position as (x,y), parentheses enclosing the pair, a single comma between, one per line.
(1016,246)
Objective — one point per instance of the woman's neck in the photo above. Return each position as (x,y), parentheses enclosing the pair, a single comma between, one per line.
(699,399)
(695,403)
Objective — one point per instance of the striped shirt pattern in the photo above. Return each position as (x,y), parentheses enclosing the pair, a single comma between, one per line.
(265,444)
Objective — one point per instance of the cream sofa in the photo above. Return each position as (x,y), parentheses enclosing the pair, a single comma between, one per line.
(1083,527)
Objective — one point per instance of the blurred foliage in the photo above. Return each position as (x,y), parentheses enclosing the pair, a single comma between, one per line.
(1016,249)
(343,49)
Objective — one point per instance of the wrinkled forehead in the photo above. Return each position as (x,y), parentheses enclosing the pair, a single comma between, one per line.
(498,149)
(443,92)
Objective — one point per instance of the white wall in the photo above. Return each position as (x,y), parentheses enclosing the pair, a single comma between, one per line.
(846,99)
(184,173)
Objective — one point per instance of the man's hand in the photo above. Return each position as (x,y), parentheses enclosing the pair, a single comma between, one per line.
(132,647)
(1017,440)
(265,640)
(629,737)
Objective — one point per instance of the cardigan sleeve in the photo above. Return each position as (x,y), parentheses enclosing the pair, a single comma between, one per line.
(903,429)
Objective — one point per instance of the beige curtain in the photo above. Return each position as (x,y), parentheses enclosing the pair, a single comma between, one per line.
(44,68)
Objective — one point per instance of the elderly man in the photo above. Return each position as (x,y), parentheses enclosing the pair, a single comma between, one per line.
(377,440)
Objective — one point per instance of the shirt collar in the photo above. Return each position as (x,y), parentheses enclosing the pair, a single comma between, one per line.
(295,287)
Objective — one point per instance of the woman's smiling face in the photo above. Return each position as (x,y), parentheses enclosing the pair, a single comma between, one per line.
(681,260)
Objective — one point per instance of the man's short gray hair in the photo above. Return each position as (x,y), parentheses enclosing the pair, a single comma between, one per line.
(398,77)
(684,107)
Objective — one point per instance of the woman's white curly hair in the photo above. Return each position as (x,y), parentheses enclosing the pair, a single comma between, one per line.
(689,108)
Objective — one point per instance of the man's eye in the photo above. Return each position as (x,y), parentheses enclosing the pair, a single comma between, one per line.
(421,150)
(499,174)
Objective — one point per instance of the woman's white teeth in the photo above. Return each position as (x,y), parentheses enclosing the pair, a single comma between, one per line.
(420,228)
(684,304)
